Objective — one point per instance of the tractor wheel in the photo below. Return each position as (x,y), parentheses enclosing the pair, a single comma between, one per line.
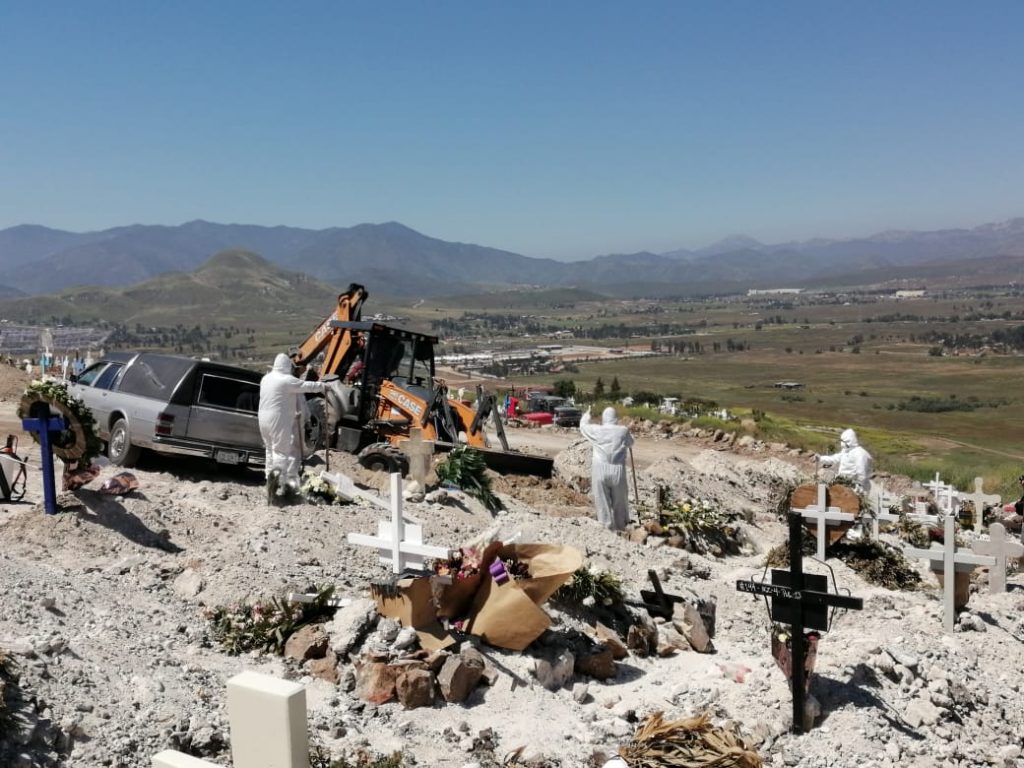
(314,430)
(384,457)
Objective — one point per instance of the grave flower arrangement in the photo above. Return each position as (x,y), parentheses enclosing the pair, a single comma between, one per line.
(695,525)
(316,489)
(459,576)
(78,444)
(487,588)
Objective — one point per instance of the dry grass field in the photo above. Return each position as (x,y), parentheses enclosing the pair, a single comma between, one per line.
(860,359)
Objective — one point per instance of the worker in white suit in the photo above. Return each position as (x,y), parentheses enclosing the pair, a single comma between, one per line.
(282,402)
(610,442)
(854,462)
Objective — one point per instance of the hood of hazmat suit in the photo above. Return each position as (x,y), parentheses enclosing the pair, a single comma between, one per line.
(848,439)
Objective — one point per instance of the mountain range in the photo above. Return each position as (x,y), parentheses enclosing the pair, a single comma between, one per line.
(393,259)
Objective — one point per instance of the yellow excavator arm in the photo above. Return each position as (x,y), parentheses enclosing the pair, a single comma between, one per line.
(334,342)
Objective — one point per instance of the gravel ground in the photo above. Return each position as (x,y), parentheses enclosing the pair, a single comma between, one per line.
(102,611)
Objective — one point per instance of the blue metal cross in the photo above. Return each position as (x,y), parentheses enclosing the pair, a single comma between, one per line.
(45,428)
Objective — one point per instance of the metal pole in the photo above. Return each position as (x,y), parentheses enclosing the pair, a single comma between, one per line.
(796,578)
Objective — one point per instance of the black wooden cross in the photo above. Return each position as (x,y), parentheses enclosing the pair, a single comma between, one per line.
(802,602)
(659,602)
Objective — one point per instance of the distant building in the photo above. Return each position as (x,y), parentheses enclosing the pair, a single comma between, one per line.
(788,385)
(915,294)
(773,291)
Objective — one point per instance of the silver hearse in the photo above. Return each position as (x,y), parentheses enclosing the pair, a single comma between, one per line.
(173,404)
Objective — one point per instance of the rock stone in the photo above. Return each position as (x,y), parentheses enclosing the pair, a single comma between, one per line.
(812,711)
(670,641)
(921,712)
(642,637)
(351,624)
(598,663)
(436,660)
(406,638)
(580,692)
(309,642)
(611,639)
(637,535)
(904,658)
(325,668)
(689,624)
(375,682)
(188,584)
(458,677)
(556,672)
(440,496)
(415,688)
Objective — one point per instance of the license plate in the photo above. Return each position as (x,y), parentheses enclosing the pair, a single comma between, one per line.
(227,457)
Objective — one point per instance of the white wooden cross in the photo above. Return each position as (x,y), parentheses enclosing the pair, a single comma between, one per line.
(267,719)
(1002,549)
(945,495)
(881,502)
(948,555)
(401,544)
(980,500)
(824,516)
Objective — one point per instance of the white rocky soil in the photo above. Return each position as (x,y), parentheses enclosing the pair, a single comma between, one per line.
(102,610)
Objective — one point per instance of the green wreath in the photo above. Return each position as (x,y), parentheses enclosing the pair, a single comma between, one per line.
(78,441)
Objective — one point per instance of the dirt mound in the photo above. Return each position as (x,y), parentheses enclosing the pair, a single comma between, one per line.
(727,481)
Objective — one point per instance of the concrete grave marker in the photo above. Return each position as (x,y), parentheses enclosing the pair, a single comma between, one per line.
(420,452)
(401,544)
(1002,549)
(949,558)
(824,516)
(267,719)
(267,716)
(979,499)
(171,759)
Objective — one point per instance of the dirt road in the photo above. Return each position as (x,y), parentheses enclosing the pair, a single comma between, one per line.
(550,442)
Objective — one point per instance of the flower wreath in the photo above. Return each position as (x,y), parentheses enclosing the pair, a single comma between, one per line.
(78,441)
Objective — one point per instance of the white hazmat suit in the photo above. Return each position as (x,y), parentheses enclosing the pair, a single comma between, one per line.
(282,403)
(610,442)
(854,462)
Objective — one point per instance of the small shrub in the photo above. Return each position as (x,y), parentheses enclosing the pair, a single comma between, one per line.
(912,532)
(465,468)
(265,625)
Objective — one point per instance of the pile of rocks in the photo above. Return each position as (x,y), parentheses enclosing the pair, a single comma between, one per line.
(377,660)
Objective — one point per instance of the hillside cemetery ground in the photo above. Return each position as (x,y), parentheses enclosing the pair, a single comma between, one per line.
(127,617)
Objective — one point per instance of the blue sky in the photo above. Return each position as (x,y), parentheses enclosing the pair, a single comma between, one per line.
(552,129)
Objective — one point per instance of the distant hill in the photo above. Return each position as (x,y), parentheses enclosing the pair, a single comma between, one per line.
(232,287)
(393,259)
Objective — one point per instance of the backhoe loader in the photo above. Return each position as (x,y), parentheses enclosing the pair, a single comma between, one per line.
(381,385)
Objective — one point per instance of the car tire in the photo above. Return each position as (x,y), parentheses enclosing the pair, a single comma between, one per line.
(120,450)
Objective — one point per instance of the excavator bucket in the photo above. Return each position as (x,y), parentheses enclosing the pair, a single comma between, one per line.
(515,463)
